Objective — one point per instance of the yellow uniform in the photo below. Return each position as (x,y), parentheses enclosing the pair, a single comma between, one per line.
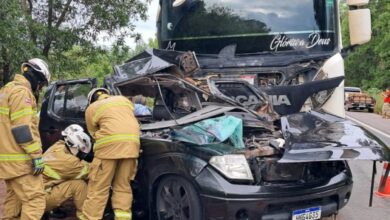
(62,178)
(18,109)
(110,120)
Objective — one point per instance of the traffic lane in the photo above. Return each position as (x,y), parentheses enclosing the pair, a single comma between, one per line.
(358,206)
(372,122)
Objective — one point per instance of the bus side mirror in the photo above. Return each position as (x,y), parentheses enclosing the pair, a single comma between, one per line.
(359,26)
(357,2)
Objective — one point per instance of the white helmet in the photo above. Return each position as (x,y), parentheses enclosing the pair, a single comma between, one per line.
(95,90)
(39,66)
(76,139)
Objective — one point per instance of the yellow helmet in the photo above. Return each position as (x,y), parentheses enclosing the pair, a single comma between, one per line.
(96,91)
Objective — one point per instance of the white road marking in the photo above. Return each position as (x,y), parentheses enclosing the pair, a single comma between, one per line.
(367,126)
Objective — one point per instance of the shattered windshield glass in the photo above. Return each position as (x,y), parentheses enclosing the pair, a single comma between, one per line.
(254,25)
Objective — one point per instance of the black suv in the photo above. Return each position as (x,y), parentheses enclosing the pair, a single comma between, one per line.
(290,167)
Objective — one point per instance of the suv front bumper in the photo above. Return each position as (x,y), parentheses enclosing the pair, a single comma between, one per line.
(223,200)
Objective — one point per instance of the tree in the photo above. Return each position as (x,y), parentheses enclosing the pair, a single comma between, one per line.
(47,28)
(368,65)
(14,48)
(59,24)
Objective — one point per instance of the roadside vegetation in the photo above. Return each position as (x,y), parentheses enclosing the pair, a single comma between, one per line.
(368,65)
(376,93)
(66,34)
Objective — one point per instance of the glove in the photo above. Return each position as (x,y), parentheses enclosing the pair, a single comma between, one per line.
(38,166)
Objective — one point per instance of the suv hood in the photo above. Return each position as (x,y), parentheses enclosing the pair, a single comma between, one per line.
(315,136)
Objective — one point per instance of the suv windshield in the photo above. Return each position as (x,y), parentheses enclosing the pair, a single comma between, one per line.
(207,26)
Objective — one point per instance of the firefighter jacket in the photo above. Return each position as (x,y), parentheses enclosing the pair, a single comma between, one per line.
(61,165)
(111,122)
(20,141)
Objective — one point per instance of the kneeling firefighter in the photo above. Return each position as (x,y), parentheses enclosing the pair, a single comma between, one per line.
(111,122)
(20,148)
(64,172)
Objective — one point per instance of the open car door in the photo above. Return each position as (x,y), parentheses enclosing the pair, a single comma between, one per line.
(64,104)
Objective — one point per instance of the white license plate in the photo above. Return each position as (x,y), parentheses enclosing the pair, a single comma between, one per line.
(307,214)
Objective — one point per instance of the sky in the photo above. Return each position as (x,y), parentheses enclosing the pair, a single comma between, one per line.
(147,28)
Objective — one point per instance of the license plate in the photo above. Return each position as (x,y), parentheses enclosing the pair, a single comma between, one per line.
(307,214)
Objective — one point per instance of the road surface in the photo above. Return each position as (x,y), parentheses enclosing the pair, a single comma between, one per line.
(357,208)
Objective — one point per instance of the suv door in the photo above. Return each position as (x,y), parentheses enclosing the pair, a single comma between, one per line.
(64,104)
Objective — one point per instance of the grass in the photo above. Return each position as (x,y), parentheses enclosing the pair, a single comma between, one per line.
(379,103)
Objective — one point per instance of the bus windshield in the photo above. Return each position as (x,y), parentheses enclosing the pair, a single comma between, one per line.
(207,26)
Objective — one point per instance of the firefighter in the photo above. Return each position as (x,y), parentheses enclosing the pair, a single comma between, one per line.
(64,172)
(111,122)
(20,149)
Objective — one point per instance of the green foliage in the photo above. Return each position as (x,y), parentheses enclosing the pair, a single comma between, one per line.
(368,65)
(92,62)
(379,103)
(63,31)
(373,91)
(14,49)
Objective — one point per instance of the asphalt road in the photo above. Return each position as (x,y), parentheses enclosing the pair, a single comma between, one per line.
(358,208)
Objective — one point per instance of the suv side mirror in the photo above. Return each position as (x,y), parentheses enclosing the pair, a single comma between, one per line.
(359,22)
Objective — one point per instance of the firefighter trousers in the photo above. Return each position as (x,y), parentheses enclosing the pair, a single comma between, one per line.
(103,174)
(76,189)
(25,198)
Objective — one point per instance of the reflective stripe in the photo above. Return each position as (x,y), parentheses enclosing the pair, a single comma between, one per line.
(14,157)
(21,113)
(33,147)
(122,214)
(9,84)
(4,111)
(83,172)
(81,217)
(117,137)
(101,108)
(48,171)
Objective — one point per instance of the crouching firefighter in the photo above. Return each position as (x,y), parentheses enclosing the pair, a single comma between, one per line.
(65,171)
(20,149)
(111,122)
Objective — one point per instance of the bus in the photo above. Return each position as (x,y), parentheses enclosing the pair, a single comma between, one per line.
(269,44)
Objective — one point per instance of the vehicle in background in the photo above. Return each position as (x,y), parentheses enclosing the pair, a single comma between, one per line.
(270,45)
(358,100)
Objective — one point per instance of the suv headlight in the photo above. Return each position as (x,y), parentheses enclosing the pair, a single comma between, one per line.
(232,166)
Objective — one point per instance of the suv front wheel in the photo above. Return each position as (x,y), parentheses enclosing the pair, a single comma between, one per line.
(177,199)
